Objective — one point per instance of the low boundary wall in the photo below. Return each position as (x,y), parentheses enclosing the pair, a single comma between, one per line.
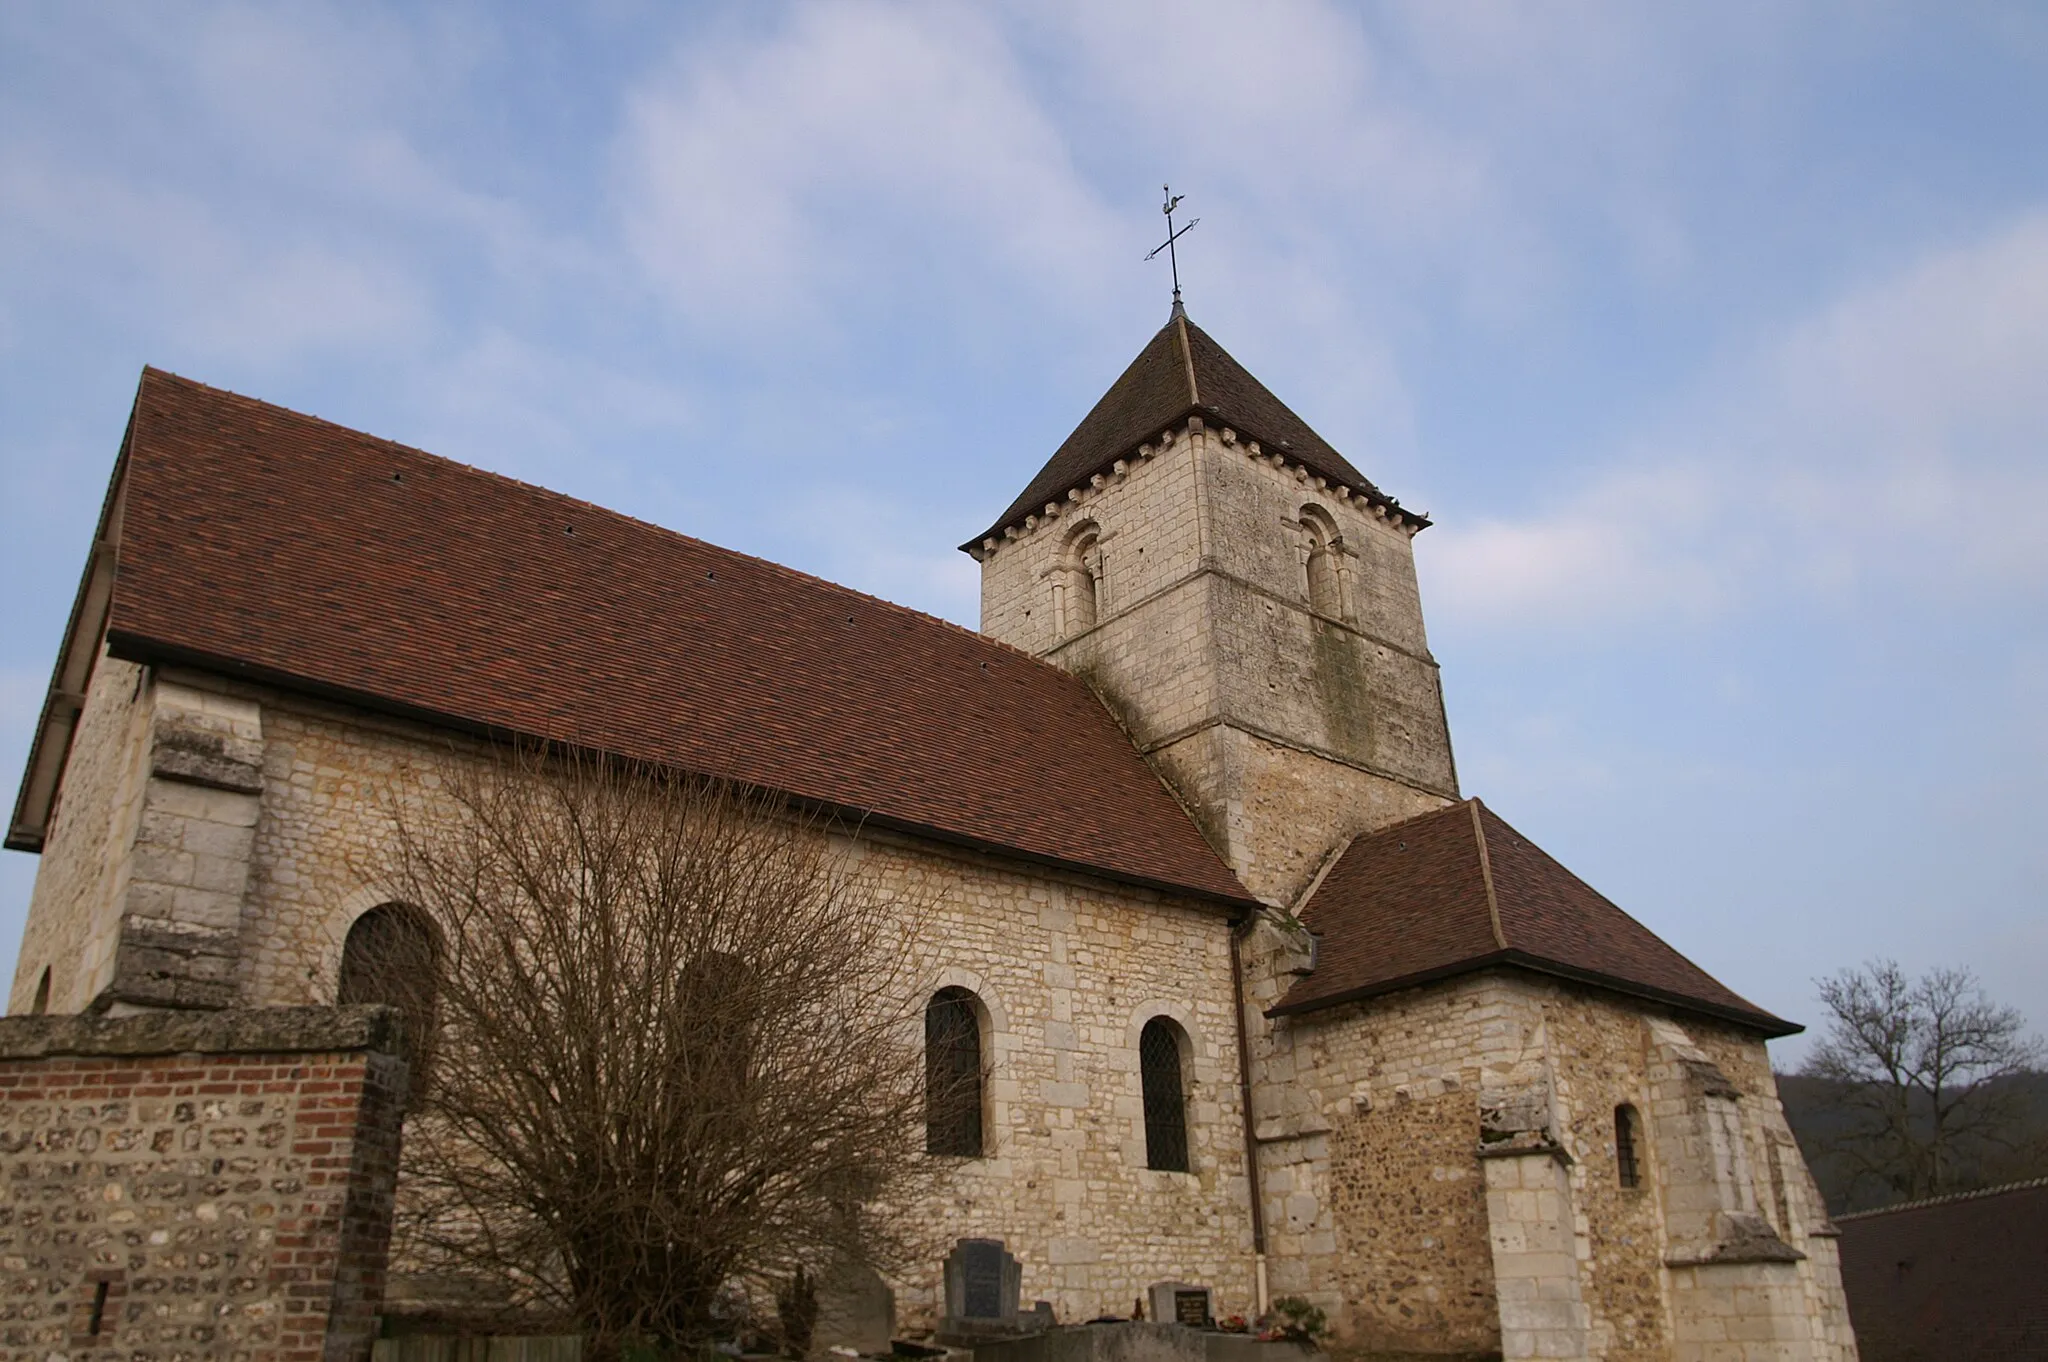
(197,1184)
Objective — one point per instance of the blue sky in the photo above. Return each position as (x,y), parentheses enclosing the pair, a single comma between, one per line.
(1714,336)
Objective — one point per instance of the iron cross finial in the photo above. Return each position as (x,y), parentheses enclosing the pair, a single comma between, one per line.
(1172,256)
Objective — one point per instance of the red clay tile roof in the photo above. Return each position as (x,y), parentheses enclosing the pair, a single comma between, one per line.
(263,542)
(1457,890)
(1959,1279)
(1181,372)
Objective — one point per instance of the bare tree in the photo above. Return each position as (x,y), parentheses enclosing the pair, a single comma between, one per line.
(676,1055)
(1917,1072)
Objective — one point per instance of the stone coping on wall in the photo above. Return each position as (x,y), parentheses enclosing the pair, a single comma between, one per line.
(266,1030)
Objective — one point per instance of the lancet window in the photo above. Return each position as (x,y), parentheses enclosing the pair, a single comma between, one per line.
(953,1074)
(1160,1047)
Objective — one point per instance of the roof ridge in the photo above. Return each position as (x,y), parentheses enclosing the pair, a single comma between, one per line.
(2027,1184)
(1187,356)
(1335,855)
(608,512)
(1500,938)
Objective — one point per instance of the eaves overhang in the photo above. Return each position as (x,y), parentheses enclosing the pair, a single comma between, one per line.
(1763,1023)
(1245,437)
(70,679)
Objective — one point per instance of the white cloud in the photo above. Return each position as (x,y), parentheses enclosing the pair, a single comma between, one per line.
(1893,441)
(754,177)
(209,282)
(252,185)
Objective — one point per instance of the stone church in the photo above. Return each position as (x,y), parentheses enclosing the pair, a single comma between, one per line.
(1261,999)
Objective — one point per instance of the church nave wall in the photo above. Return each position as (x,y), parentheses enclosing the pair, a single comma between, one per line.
(1068,968)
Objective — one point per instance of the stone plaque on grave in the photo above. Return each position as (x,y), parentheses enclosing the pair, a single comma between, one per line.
(1182,1303)
(983,1282)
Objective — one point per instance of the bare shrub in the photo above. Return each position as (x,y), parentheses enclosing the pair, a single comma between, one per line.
(676,1048)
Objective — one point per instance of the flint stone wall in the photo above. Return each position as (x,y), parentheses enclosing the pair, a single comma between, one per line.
(196,1185)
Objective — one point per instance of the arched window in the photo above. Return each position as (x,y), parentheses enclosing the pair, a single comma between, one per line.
(1080,583)
(1325,576)
(42,1002)
(393,955)
(1166,1102)
(1627,1132)
(952,1074)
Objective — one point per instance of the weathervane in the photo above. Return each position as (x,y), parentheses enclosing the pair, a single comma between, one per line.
(1172,202)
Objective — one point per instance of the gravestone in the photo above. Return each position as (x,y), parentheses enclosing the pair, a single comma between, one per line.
(856,1309)
(1182,1303)
(982,1281)
(983,1286)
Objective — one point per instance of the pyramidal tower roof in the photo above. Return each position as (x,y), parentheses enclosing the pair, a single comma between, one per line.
(1181,372)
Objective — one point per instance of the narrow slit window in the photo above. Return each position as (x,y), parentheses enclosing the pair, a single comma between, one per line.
(1166,1102)
(952,1075)
(1628,1167)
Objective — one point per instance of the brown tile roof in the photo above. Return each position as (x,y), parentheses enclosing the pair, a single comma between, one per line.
(1956,1279)
(1457,890)
(263,542)
(1181,372)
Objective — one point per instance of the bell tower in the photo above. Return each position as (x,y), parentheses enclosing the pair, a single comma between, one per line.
(1242,598)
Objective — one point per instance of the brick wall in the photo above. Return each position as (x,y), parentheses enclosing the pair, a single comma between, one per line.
(177,1185)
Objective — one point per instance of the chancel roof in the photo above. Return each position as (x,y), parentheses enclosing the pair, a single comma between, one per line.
(1458,890)
(256,541)
(1181,372)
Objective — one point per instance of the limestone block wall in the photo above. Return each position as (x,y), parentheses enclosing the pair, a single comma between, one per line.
(1154,665)
(1375,1198)
(1274,811)
(145,867)
(1068,968)
(1356,682)
(188,865)
(1256,500)
(1148,515)
(197,1185)
(81,878)
(1754,1269)
(1311,681)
